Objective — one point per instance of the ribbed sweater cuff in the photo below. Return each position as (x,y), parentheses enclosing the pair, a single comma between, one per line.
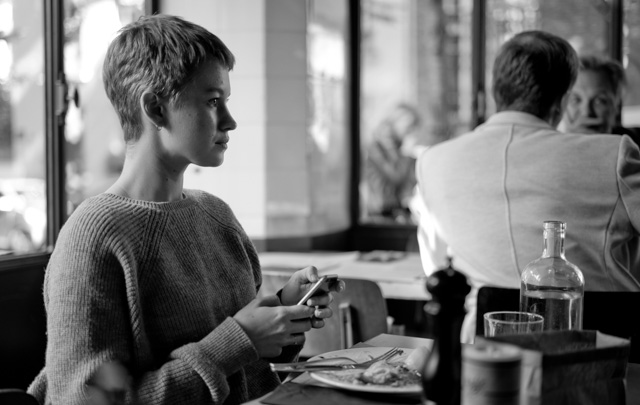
(229,347)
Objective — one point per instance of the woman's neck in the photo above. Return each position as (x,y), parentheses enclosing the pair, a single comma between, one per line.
(146,178)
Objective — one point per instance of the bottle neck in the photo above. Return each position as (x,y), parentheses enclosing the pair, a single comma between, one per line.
(553,244)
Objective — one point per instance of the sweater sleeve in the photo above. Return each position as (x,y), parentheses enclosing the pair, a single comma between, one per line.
(197,372)
(90,320)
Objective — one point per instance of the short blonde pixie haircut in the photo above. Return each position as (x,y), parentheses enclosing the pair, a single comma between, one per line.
(157,53)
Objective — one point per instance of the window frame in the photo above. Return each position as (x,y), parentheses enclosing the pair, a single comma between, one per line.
(55,111)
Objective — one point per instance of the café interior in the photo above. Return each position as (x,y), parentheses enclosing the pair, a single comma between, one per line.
(317,87)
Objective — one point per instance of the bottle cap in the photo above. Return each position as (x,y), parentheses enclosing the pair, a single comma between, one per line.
(555,225)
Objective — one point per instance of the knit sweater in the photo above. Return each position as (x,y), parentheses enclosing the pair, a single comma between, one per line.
(153,286)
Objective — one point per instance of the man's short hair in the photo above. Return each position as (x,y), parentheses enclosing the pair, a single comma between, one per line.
(157,53)
(611,69)
(532,71)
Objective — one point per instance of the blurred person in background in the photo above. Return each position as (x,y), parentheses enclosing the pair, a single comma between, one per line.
(389,170)
(486,194)
(596,99)
(158,282)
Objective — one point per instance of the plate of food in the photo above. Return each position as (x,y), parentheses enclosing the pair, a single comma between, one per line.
(398,375)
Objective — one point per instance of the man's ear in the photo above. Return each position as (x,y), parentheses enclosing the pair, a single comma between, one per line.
(153,109)
(556,112)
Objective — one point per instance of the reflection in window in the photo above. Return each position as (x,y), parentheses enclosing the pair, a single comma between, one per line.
(22,127)
(415,91)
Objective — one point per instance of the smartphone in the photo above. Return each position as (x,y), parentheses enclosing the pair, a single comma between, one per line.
(329,280)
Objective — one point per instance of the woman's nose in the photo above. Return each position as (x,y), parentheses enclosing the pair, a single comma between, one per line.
(228,123)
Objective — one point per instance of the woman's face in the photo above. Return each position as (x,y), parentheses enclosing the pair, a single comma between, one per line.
(197,124)
(592,105)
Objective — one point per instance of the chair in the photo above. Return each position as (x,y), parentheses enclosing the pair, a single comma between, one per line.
(16,397)
(610,312)
(359,313)
(22,326)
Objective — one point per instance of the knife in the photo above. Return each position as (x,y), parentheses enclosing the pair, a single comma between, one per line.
(301,368)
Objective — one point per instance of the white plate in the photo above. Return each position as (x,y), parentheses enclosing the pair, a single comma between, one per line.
(362,354)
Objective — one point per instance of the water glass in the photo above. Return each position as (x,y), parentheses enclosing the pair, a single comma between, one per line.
(511,322)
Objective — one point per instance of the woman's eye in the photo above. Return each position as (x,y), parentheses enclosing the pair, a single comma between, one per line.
(213,102)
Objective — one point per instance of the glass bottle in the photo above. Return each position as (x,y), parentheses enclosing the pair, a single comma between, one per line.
(441,373)
(551,286)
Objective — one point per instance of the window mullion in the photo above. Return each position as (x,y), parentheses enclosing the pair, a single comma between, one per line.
(615,31)
(55,96)
(478,57)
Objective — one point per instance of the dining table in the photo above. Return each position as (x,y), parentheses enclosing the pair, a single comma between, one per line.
(399,274)
(301,388)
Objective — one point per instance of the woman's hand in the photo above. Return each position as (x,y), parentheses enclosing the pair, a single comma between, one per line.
(298,285)
(271,326)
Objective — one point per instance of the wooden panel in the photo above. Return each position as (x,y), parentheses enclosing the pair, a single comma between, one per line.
(22,325)
(385,237)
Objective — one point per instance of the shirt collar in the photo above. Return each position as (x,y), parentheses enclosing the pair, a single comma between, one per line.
(519,118)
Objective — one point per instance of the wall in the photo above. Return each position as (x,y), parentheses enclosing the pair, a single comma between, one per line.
(271,176)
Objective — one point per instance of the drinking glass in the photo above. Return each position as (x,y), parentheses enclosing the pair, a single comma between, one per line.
(511,322)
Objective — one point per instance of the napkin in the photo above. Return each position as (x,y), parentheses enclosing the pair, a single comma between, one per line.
(291,393)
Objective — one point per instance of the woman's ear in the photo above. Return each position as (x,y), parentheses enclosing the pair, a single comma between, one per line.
(152,107)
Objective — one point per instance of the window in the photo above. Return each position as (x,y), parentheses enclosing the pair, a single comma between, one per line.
(419,79)
(327,82)
(426,77)
(415,91)
(22,127)
(94,147)
(32,104)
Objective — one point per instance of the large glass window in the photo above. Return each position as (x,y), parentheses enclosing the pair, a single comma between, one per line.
(327,47)
(22,127)
(415,91)
(94,141)
(415,82)
(416,71)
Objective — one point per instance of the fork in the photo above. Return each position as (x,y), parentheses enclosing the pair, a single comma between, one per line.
(315,365)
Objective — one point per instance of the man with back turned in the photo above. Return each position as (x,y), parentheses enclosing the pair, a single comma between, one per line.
(487,193)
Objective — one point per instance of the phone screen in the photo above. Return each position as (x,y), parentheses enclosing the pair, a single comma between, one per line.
(328,279)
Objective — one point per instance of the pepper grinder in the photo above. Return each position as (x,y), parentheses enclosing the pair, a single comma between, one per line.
(441,373)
